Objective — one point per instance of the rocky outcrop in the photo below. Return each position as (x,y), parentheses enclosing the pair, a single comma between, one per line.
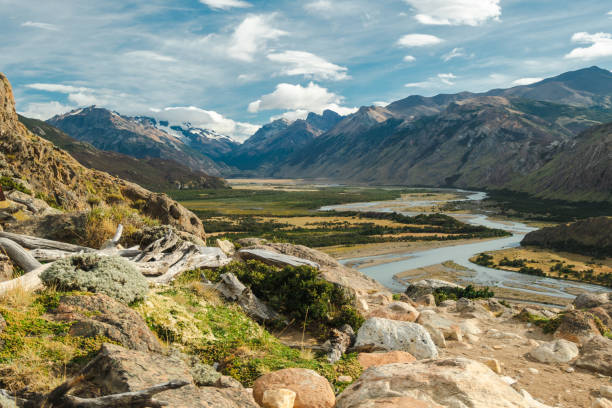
(451,382)
(232,289)
(558,351)
(312,390)
(340,340)
(100,315)
(427,286)
(577,326)
(367,360)
(120,370)
(596,355)
(401,311)
(590,300)
(383,334)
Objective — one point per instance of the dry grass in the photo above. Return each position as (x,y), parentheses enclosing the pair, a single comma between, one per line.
(102,222)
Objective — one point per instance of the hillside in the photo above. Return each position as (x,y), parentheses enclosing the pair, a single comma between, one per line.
(136,137)
(153,173)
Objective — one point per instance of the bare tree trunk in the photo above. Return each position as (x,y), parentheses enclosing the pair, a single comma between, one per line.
(27,282)
(18,255)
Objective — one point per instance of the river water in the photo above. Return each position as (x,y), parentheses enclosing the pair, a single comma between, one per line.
(389,265)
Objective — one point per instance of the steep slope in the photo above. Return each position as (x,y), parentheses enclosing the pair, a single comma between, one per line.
(135,137)
(155,174)
(56,176)
(582,170)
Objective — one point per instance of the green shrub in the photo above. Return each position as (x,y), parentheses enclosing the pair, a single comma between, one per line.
(297,292)
(484,260)
(469,292)
(111,275)
(10,184)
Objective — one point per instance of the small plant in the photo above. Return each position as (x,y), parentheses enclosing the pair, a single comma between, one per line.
(397,296)
(111,275)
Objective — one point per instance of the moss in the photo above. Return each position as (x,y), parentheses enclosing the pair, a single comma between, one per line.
(111,275)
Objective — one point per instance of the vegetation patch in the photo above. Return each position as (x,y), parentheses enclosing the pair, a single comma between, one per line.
(548,325)
(9,183)
(111,275)
(469,292)
(102,222)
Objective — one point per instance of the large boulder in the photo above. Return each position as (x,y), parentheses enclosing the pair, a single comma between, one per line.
(383,334)
(100,315)
(472,309)
(577,326)
(596,355)
(558,351)
(447,383)
(119,370)
(589,300)
(431,320)
(311,389)
(428,286)
(396,311)
(367,360)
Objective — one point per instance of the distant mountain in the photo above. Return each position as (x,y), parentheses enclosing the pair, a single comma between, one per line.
(136,137)
(153,173)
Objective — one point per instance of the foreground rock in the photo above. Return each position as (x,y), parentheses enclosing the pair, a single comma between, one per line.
(275,259)
(312,390)
(439,327)
(452,383)
(120,370)
(388,335)
(558,351)
(401,311)
(100,315)
(280,398)
(596,355)
(428,286)
(367,360)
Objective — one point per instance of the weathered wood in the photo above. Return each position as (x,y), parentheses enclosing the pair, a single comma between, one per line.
(49,255)
(118,233)
(18,255)
(194,257)
(28,282)
(41,243)
(274,258)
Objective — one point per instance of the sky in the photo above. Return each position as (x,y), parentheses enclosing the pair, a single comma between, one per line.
(234,65)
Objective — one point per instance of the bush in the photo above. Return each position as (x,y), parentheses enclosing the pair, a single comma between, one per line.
(111,275)
(102,222)
(297,292)
(469,292)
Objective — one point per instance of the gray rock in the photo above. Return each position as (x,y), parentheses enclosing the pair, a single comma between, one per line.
(470,308)
(558,351)
(203,374)
(276,259)
(596,355)
(388,335)
(232,289)
(589,300)
(428,286)
(341,339)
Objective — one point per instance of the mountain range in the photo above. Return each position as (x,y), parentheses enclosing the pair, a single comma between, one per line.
(545,138)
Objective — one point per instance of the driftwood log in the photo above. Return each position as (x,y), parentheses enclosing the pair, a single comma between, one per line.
(28,281)
(41,243)
(19,255)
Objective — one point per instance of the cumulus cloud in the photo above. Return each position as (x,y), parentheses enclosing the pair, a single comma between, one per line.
(206,119)
(45,110)
(418,40)
(319,5)
(455,53)
(447,78)
(43,26)
(300,100)
(526,81)
(79,95)
(149,55)
(455,12)
(308,65)
(225,4)
(409,58)
(601,46)
(251,36)
(380,103)
(58,88)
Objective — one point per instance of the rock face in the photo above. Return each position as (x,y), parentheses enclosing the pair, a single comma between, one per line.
(396,311)
(368,360)
(121,370)
(596,355)
(453,382)
(577,326)
(590,300)
(57,176)
(100,315)
(273,258)
(312,390)
(384,334)
(427,286)
(558,351)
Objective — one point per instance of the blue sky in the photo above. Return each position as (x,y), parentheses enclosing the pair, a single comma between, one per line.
(232,65)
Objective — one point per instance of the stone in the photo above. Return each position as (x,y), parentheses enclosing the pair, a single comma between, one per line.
(603,316)
(450,382)
(204,374)
(227,247)
(396,311)
(100,315)
(432,320)
(345,379)
(577,326)
(534,371)
(558,351)
(570,370)
(601,403)
(232,289)
(278,398)
(311,389)
(383,334)
(426,300)
(448,303)
(590,300)
(494,365)
(275,259)
(367,360)
(605,391)
(340,340)
(470,308)
(117,370)
(428,286)
(596,355)
(225,381)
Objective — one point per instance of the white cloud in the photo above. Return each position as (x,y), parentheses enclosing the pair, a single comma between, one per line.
(610,13)
(601,46)
(455,12)
(319,5)
(206,119)
(45,110)
(455,53)
(418,40)
(81,96)
(380,103)
(526,81)
(149,55)
(225,4)
(409,58)
(251,36)
(43,26)
(58,88)
(447,78)
(309,65)
(423,84)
